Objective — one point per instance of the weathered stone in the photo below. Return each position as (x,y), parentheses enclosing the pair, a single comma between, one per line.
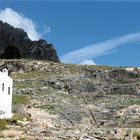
(21,109)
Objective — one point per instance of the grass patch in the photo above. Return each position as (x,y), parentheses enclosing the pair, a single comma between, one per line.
(28,84)
(20,99)
(29,75)
(3,123)
(52,109)
(136,135)
(135,101)
(48,107)
(18,116)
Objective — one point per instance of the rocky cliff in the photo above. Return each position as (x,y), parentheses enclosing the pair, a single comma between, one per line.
(10,36)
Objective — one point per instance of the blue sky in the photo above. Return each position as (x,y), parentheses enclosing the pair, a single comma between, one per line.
(82,32)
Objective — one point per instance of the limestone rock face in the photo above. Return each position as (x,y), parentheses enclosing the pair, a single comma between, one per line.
(41,50)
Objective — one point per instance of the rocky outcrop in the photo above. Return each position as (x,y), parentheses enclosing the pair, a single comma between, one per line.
(74,102)
(41,49)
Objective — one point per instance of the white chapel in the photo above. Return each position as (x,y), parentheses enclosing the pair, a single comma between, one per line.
(6,86)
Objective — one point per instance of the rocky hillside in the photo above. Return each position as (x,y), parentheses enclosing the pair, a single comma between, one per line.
(10,36)
(71,102)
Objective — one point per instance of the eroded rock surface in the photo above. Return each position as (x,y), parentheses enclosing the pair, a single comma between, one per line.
(77,102)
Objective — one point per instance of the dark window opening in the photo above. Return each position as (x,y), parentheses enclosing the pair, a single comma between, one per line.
(9,90)
(2,86)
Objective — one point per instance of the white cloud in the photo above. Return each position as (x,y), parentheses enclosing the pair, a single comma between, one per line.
(88,62)
(47,29)
(18,20)
(95,50)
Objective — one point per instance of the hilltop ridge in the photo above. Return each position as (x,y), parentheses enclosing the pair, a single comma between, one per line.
(40,50)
